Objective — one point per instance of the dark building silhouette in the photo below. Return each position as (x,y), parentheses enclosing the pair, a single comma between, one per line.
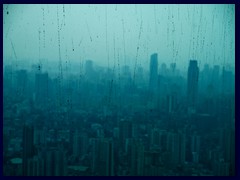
(192,84)
(135,151)
(28,147)
(153,72)
(55,161)
(102,157)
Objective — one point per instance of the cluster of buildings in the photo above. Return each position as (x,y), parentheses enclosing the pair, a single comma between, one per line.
(109,122)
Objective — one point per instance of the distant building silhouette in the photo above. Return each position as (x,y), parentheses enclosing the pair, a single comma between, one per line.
(135,151)
(153,72)
(55,161)
(102,157)
(192,84)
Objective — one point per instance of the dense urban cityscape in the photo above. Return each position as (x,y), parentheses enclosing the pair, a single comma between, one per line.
(112,122)
(118,90)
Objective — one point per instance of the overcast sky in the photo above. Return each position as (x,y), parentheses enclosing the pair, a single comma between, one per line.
(124,34)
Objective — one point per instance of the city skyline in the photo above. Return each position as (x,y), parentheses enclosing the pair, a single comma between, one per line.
(119,90)
(124,34)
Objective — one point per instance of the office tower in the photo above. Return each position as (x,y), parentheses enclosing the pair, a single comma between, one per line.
(28,147)
(55,162)
(135,154)
(192,84)
(35,166)
(153,72)
(125,131)
(195,147)
(227,145)
(176,145)
(102,157)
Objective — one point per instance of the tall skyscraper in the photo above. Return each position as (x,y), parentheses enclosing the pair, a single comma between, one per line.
(55,162)
(153,72)
(28,147)
(192,83)
(135,152)
(176,145)
(195,147)
(102,157)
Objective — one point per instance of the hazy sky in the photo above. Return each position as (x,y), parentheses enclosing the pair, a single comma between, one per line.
(124,34)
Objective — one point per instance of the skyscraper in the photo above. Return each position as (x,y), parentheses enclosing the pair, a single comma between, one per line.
(55,162)
(153,71)
(102,157)
(192,83)
(135,151)
(176,145)
(28,147)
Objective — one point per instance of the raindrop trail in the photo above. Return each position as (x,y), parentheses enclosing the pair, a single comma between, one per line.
(15,55)
(72,45)
(80,42)
(39,46)
(43,12)
(89,31)
(155,19)
(106,19)
(124,48)
(135,66)
(64,15)
(60,77)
